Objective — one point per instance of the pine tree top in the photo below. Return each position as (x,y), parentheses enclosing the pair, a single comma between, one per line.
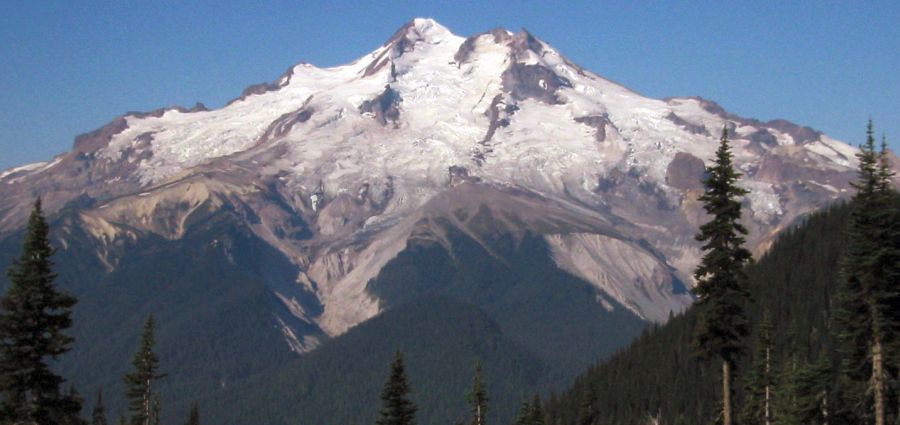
(885,173)
(34,315)
(536,414)
(478,397)
(145,361)
(720,274)
(397,409)
(478,394)
(868,299)
(867,171)
(139,384)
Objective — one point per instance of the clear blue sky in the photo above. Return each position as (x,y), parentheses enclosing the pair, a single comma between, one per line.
(69,67)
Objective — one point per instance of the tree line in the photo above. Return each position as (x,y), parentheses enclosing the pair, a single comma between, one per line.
(399,409)
(810,337)
(866,314)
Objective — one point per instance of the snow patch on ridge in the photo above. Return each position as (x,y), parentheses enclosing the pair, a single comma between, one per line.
(28,169)
(294,307)
(298,344)
(837,152)
(180,140)
(764,202)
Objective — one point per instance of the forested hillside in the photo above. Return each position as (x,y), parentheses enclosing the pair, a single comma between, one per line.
(659,377)
(217,341)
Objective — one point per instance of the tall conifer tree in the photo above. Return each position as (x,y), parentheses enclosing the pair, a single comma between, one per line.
(524,416)
(397,409)
(589,411)
(888,258)
(869,295)
(478,398)
(720,275)
(536,415)
(71,406)
(757,408)
(789,397)
(802,398)
(885,173)
(34,316)
(139,384)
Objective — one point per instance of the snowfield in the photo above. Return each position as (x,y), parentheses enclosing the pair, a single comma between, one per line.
(357,152)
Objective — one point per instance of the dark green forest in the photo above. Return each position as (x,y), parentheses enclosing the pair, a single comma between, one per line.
(216,338)
(468,309)
(659,376)
(823,307)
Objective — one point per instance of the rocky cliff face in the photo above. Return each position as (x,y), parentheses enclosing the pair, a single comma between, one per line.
(339,168)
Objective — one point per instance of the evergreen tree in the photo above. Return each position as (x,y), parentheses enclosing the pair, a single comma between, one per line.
(869,296)
(589,411)
(397,409)
(536,413)
(757,409)
(885,173)
(787,402)
(194,415)
(531,413)
(139,384)
(720,275)
(552,416)
(478,398)
(34,316)
(524,416)
(850,398)
(98,416)
(71,404)
(889,264)
(797,279)
(802,399)
(815,381)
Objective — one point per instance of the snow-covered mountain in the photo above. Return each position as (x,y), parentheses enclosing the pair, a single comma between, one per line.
(339,169)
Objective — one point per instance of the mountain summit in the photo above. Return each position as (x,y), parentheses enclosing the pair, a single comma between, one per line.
(357,153)
(432,152)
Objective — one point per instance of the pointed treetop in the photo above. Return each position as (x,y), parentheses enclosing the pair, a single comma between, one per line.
(34,318)
(536,416)
(885,173)
(720,275)
(868,171)
(478,397)
(139,384)
(397,409)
